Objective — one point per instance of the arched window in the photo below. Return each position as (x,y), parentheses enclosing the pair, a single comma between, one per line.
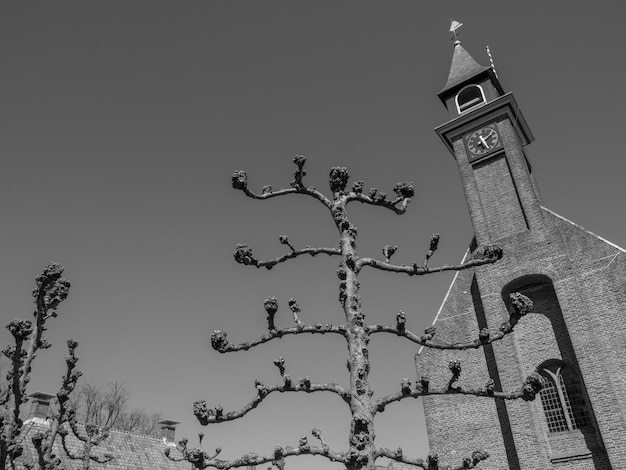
(469,97)
(563,398)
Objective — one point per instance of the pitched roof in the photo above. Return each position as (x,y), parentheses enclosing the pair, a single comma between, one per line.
(463,67)
(130,451)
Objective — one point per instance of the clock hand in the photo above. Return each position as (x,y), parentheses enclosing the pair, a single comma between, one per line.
(483,142)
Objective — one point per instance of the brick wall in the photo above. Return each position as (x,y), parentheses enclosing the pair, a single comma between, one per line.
(499,198)
(578,317)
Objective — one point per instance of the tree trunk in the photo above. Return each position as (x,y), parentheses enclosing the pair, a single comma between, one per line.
(361,454)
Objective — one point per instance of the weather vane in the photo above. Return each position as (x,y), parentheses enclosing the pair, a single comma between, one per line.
(453,27)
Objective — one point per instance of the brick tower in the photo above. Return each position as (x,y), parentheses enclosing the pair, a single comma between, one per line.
(575,336)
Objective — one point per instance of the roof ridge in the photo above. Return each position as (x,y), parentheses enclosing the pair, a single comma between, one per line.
(584,229)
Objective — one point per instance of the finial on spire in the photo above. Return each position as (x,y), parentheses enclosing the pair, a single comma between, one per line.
(493,66)
(453,27)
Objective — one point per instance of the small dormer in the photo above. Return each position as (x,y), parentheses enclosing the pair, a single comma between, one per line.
(470,85)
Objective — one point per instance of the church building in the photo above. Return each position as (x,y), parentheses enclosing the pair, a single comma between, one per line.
(575,335)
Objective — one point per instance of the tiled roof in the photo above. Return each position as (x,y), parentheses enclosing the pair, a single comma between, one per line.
(462,68)
(129,451)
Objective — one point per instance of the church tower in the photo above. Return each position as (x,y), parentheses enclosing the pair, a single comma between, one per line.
(575,336)
(486,135)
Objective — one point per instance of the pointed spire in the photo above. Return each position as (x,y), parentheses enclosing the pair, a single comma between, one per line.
(463,67)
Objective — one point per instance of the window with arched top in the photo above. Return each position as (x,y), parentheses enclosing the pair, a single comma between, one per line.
(469,97)
(563,398)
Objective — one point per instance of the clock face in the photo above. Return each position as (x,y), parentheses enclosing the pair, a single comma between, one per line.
(482,141)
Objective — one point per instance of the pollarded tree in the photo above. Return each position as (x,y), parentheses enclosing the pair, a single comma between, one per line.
(51,289)
(359,396)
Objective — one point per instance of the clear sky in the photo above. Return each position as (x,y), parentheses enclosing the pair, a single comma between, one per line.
(122,123)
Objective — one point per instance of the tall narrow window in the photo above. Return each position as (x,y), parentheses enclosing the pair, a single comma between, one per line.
(563,398)
(575,398)
(469,97)
(552,406)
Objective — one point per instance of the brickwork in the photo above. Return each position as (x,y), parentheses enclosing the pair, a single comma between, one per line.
(500,195)
(472,194)
(522,180)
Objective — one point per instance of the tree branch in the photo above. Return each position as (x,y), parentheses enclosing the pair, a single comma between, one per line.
(86,457)
(282,192)
(220,342)
(531,386)
(397,205)
(520,305)
(243,255)
(207,415)
(200,459)
(425,340)
(67,450)
(432,462)
(63,396)
(404,192)
(51,290)
(240,182)
(485,255)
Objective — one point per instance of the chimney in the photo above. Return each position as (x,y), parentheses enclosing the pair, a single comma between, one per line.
(40,405)
(168,429)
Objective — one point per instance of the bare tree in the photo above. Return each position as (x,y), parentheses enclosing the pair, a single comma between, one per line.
(107,406)
(50,290)
(100,405)
(140,421)
(359,396)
